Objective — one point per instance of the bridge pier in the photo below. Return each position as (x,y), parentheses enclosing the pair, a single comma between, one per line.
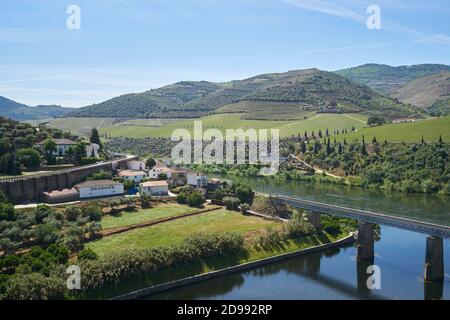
(314,219)
(365,242)
(434,259)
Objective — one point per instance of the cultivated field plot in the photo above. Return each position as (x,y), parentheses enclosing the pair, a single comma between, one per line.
(145,215)
(429,129)
(234,121)
(80,126)
(175,231)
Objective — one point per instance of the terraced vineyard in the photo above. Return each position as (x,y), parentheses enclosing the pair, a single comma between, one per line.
(234,121)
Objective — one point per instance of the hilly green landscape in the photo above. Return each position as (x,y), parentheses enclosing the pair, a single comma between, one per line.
(300,91)
(387,79)
(431,93)
(18,111)
(233,121)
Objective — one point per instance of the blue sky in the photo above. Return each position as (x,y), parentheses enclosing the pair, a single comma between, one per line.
(135,45)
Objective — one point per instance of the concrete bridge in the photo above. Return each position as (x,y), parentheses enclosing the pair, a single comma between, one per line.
(28,188)
(434,258)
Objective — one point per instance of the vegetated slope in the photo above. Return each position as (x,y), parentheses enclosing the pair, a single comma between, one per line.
(431,93)
(307,90)
(18,111)
(222,122)
(430,130)
(164,102)
(387,79)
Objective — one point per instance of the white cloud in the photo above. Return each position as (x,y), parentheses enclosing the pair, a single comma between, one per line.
(327,7)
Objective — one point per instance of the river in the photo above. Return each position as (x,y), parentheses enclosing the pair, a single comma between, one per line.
(335,274)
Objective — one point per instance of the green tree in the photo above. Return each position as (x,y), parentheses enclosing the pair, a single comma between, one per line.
(9,164)
(195,199)
(94,138)
(150,163)
(29,158)
(375,121)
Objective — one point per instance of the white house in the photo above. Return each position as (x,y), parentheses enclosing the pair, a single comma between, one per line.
(156,171)
(197,180)
(155,188)
(92,150)
(136,165)
(99,188)
(136,176)
(62,146)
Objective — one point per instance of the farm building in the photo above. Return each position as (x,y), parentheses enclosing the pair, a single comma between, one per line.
(60,196)
(99,188)
(136,176)
(155,188)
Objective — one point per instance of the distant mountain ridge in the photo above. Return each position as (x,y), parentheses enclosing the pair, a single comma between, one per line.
(387,79)
(20,112)
(311,89)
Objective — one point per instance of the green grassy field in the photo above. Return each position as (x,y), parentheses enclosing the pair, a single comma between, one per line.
(130,218)
(408,132)
(234,121)
(176,231)
(80,126)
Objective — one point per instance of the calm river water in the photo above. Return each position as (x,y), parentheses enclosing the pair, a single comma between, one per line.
(334,274)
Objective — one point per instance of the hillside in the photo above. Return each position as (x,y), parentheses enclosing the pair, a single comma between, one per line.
(304,90)
(168,101)
(386,79)
(431,93)
(18,111)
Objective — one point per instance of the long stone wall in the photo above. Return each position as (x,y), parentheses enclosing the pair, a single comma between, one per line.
(28,188)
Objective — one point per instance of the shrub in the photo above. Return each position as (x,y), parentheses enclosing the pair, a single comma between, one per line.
(231,203)
(101,175)
(7,212)
(182,198)
(146,200)
(60,252)
(35,286)
(244,193)
(195,199)
(47,233)
(87,254)
(72,213)
(93,212)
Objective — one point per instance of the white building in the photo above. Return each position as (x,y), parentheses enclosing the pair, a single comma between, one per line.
(62,146)
(99,188)
(92,150)
(136,176)
(197,180)
(155,188)
(136,165)
(156,171)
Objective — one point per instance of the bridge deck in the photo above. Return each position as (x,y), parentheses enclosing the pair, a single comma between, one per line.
(368,216)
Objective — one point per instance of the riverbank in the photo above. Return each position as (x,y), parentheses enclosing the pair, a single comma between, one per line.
(229,270)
